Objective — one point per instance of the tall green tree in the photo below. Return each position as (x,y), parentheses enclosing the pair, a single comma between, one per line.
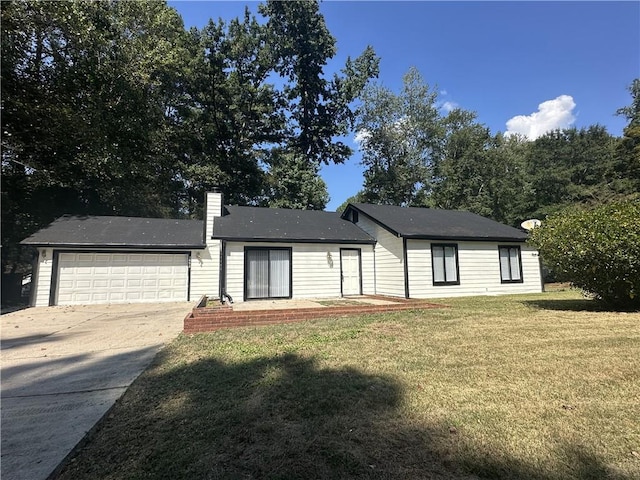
(478,172)
(231,114)
(87,88)
(400,138)
(260,87)
(318,109)
(627,170)
(571,166)
(294,182)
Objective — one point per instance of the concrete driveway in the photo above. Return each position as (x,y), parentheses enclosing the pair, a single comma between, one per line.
(63,368)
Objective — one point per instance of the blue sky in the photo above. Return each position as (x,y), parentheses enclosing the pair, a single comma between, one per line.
(521,66)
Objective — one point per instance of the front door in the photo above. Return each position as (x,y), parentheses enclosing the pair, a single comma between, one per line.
(350,271)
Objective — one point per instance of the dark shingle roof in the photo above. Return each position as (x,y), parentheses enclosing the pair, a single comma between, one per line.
(279,224)
(102,231)
(435,224)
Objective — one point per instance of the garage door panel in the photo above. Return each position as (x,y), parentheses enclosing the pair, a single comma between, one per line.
(82,297)
(116,297)
(86,278)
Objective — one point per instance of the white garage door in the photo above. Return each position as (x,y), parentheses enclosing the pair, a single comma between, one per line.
(91,278)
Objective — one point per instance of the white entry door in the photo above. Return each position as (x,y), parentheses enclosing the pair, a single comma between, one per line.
(350,265)
(85,278)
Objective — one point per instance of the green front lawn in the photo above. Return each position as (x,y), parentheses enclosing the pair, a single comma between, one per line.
(523,387)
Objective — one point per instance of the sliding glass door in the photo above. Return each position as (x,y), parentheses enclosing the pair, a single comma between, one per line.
(267,273)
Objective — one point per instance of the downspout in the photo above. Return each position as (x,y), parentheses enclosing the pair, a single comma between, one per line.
(222,273)
(406,267)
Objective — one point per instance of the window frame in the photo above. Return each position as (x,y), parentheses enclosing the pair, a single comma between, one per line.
(519,250)
(433,277)
(246,272)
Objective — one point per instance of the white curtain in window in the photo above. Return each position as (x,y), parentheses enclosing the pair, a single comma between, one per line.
(505,270)
(279,264)
(438,264)
(515,263)
(450,264)
(257,273)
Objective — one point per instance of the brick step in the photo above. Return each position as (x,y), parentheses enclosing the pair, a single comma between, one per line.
(211,319)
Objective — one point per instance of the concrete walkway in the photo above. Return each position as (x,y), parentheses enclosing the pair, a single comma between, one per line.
(63,368)
(297,303)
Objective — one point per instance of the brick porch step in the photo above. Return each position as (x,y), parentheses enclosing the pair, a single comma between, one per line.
(216,318)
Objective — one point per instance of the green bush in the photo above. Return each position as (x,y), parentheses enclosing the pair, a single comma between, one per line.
(597,250)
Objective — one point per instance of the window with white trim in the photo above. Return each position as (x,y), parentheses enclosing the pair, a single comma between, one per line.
(444,263)
(510,264)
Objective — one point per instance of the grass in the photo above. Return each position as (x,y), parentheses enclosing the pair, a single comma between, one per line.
(521,387)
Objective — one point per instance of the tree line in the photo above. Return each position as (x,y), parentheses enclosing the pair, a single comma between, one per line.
(416,155)
(114,108)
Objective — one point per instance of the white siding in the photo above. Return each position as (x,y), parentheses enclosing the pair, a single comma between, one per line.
(205,270)
(205,264)
(389,259)
(479,268)
(42,278)
(315,275)
(213,209)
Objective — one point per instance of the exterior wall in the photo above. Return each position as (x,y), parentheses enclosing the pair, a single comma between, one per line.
(389,259)
(213,208)
(205,264)
(314,275)
(42,278)
(479,270)
(205,271)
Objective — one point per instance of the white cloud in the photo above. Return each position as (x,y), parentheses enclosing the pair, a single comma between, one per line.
(449,106)
(551,115)
(361,137)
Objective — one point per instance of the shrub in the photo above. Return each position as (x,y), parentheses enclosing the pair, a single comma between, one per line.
(597,250)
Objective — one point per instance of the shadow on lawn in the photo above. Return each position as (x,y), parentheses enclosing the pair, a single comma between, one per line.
(574,305)
(281,418)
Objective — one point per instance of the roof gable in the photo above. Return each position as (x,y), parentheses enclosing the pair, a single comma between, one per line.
(436,224)
(286,225)
(106,231)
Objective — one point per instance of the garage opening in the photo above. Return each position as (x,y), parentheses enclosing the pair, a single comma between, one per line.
(86,278)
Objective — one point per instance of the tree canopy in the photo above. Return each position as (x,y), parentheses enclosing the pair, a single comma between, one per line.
(414,152)
(114,108)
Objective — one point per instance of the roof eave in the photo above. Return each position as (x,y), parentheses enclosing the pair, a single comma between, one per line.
(294,240)
(462,238)
(116,245)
